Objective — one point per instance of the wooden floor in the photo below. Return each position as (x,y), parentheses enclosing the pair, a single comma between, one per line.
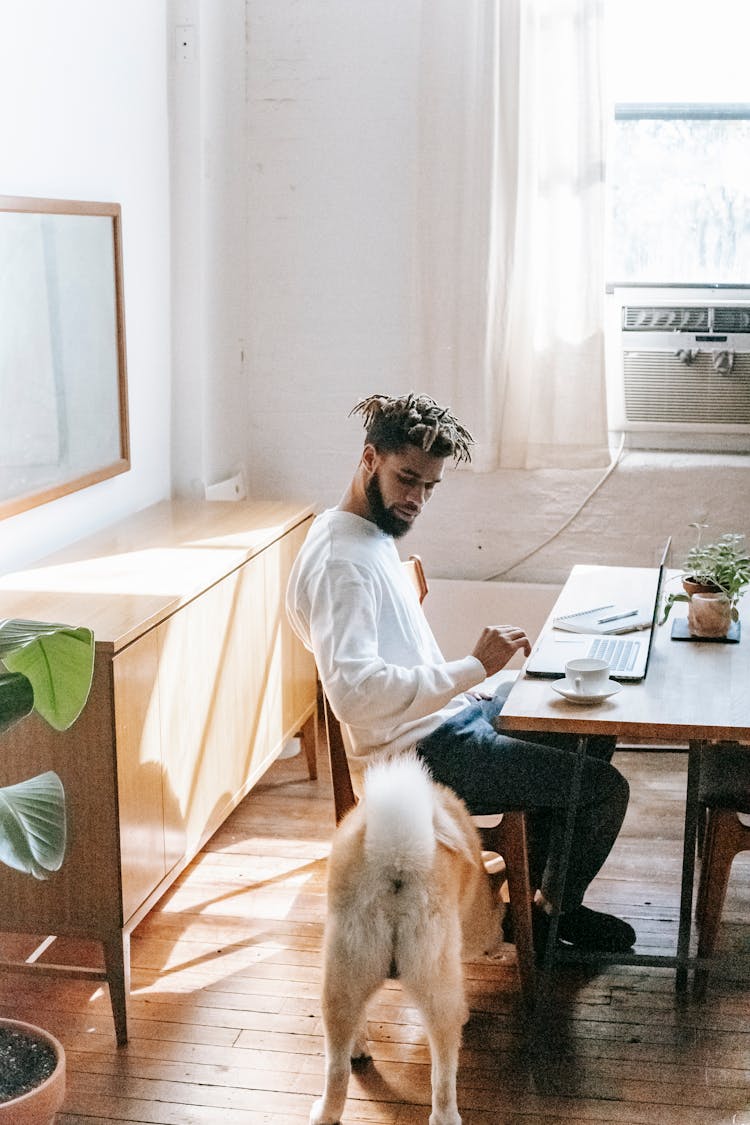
(225,1026)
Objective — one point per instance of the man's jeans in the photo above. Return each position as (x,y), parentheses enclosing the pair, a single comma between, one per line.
(495,772)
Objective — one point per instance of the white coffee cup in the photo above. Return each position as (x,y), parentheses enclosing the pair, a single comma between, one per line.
(587,676)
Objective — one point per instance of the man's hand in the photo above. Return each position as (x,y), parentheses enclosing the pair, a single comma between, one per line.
(497,644)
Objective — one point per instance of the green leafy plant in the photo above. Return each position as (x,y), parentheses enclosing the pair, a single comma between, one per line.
(722,567)
(49,669)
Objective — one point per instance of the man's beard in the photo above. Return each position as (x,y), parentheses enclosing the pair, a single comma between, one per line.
(384,517)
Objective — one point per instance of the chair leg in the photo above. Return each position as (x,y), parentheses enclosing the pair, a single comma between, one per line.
(725,837)
(509,839)
(309,738)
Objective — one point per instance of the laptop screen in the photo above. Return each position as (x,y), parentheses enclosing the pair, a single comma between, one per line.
(657,600)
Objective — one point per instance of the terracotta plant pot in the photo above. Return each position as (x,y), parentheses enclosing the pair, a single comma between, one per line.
(39,1106)
(709,610)
(709,615)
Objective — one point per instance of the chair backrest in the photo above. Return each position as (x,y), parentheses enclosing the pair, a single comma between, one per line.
(415,570)
(344,797)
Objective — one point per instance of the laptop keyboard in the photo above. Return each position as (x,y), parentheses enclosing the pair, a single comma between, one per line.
(619,654)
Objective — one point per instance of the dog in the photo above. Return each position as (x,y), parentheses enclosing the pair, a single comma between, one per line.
(408,898)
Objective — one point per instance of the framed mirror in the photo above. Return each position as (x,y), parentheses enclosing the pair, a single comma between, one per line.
(63,381)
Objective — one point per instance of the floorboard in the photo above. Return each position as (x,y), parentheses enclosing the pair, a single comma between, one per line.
(225,1016)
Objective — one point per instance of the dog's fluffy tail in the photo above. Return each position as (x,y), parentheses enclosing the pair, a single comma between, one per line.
(400,803)
(405,820)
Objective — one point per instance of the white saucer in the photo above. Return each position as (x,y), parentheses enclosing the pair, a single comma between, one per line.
(564,688)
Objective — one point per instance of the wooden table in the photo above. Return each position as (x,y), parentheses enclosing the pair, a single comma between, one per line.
(694,692)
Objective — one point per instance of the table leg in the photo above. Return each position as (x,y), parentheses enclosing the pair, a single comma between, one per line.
(688,864)
(570,817)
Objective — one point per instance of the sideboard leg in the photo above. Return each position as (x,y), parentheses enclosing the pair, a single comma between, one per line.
(117,965)
(309,737)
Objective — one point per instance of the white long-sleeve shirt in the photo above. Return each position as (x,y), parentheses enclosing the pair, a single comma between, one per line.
(352,605)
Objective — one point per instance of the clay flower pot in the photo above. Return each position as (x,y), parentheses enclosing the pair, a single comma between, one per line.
(40,1104)
(709,610)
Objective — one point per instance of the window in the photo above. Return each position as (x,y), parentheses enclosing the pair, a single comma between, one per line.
(678,192)
(680,196)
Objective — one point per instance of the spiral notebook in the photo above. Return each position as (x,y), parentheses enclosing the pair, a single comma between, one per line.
(606,620)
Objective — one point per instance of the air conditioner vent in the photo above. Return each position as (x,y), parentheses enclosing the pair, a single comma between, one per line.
(666,318)
(658,388)
(728,318)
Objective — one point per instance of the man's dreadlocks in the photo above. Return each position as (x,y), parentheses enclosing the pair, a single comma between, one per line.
(391,423)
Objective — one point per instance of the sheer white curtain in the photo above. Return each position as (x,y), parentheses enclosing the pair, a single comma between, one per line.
(511,226)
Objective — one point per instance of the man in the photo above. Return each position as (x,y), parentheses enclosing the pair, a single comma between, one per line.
(351,603)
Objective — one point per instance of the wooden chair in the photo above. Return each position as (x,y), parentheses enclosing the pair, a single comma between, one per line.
(725,793)
(503,834)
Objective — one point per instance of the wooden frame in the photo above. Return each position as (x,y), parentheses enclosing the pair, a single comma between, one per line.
(63,376)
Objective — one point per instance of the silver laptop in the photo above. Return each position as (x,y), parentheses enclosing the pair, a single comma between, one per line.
(628,656)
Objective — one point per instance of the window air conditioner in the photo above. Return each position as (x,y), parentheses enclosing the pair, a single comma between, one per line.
(686,375)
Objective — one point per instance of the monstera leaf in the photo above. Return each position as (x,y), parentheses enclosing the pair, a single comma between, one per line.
(32,825)
(49,670)
(58,662)
(16,698)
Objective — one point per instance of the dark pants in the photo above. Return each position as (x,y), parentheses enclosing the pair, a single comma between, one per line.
(495,772)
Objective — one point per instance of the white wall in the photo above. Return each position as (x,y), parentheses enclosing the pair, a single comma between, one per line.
(333,134)
(331,111)
(293,143)
(210,250)
(84,90)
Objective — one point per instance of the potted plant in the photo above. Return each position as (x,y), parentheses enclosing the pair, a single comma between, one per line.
(714,577)
(49,669)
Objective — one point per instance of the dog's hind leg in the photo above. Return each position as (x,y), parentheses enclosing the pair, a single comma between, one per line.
(360,1052)
(444,1013)
(344,1002)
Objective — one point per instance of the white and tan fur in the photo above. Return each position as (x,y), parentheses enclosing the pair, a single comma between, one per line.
(408,897)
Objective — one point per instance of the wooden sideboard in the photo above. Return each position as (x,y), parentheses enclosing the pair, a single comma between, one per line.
(198,684)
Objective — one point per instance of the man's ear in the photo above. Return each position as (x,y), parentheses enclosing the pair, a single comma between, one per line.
(370,458)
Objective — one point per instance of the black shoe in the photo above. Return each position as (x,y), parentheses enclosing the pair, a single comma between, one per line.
(591,930)
(581,928)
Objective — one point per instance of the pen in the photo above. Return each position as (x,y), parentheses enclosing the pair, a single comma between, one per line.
(617,617)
